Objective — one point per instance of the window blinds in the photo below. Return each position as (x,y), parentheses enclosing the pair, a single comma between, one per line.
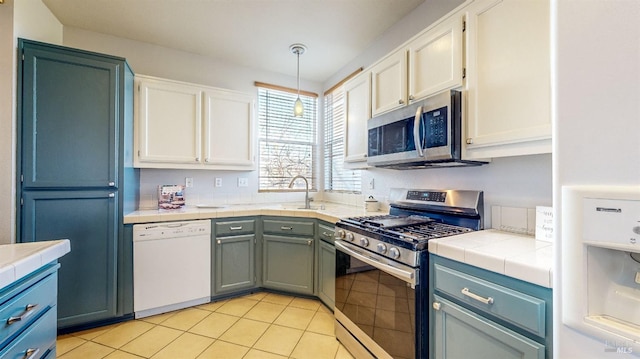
(287,144)
(336,177)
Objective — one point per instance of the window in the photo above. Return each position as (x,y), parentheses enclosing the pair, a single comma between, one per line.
(287,144)
(336,177)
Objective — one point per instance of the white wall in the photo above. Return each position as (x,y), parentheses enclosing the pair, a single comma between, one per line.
(596,91)
(28,19)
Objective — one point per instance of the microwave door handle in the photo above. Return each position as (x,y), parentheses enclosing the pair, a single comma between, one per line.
(416,131)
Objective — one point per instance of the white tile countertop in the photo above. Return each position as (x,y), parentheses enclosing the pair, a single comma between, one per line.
(514,255)
(330,212)
(18,260)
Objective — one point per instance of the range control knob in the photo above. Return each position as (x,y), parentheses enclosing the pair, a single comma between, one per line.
(340,234)
(349,237)
(381,248)
(394,252)
(364,242)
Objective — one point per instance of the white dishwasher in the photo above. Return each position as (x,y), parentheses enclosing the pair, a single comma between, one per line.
(171,266)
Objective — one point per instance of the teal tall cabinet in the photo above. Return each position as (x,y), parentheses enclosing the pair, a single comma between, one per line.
(75,174)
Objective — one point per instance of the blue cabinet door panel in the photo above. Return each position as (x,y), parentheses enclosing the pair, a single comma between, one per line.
(87,280)
(69,111)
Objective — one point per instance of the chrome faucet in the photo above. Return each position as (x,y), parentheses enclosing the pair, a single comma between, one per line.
(307,200)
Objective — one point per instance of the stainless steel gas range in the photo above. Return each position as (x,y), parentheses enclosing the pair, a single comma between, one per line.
(382,268)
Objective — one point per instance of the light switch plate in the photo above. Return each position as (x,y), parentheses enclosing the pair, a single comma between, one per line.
(218,182)
(188,182)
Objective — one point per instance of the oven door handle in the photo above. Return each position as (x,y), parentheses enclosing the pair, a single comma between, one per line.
(410,276)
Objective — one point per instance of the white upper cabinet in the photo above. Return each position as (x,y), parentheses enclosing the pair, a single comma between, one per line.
(435,59)
(389,83)
(430,63)
(228,129)
(187,126)
(508,81)
(357,113)
(168,121)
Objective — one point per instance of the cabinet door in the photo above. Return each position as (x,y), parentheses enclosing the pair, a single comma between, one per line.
(508,67)
(229,130)
(87,278)
(327,273)
(169,120)
(288,263)
(460,334)
(70,107)
(435,59)
(389,83)
(234,263)
(357,113)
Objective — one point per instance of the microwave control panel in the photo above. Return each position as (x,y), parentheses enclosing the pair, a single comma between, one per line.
(436,127)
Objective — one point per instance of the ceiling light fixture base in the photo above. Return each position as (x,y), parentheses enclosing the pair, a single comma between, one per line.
(298,49)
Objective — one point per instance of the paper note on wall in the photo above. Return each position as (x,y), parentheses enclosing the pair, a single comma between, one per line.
(544,223)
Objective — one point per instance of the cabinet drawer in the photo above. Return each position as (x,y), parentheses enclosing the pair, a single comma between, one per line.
(232,228)
(519,309)
(38,340)
(301,228)
(326,233)
(20,311)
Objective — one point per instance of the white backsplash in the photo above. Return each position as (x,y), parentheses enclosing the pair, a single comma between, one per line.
(518,220)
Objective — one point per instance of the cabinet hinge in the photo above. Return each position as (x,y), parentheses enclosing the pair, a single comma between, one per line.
(21,201)
(21,178)
(22,57)
(464,72)
(464,26)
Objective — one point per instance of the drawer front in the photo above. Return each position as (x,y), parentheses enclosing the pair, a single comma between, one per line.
(21,310)
(326,233)
(300,228)
(233,228)
(38,341)
(520,309)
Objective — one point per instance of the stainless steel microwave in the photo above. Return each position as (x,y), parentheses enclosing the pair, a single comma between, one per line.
(424,134)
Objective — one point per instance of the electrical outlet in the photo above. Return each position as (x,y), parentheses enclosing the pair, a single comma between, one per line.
(243,182)
(188,182)
(371,183)
(218,182)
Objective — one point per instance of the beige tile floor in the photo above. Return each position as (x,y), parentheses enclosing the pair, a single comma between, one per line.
(260,325)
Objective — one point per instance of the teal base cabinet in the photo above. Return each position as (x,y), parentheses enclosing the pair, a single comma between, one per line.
(326,265)
(28,308)
(476,313)
(461,333)
(88,275)
(233,256)
(288,255)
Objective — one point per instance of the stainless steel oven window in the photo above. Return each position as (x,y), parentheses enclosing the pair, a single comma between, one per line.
(380,304)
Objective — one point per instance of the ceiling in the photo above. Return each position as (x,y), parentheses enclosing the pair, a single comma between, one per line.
(250,33)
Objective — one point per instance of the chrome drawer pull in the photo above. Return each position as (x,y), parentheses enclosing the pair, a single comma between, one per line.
(219,241)
(235,228)
(488,300)
(328,235)
(286,228)
(309,243)
(27,311)
(31,353)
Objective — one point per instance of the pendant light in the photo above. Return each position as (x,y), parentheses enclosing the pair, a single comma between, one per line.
(298,108)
